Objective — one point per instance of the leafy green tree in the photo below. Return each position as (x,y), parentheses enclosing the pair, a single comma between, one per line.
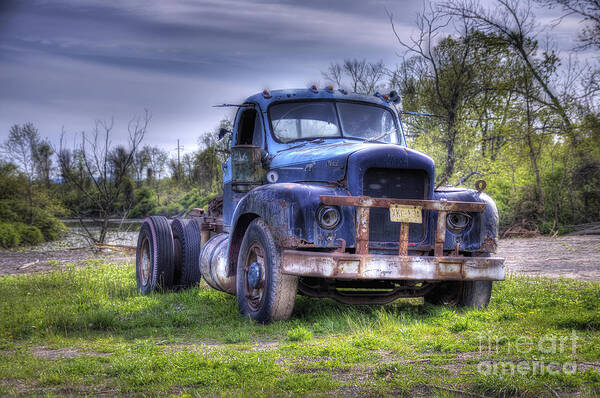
(21,147)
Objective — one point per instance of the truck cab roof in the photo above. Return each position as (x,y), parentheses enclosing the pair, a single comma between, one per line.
(267,97)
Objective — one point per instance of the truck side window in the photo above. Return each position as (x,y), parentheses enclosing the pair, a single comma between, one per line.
(250,129)
(257,138)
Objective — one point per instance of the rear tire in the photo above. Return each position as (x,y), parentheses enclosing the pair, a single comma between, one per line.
(273,294)
(154,255)
(186,234)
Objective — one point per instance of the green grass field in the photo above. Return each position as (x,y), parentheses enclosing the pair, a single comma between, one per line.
(87,331)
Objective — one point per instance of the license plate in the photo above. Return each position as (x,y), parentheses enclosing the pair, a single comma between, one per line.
(405,213)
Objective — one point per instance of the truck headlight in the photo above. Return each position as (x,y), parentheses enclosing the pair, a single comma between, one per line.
(457,222)
(328,217)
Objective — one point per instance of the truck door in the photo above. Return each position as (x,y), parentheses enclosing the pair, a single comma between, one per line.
(243,171)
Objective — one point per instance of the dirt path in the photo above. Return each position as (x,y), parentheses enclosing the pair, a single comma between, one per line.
(25,262)
(568,256)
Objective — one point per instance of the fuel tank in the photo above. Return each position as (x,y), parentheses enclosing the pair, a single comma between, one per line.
(213,264)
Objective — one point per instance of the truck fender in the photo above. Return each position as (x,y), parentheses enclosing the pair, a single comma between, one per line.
(483,236)
(289,210)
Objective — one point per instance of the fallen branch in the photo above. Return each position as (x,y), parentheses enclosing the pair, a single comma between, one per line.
(29,264)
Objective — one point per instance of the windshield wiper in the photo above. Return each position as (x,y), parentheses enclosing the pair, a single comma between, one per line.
(380,136)
(312,140)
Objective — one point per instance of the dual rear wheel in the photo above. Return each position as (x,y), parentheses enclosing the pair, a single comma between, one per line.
(167,254)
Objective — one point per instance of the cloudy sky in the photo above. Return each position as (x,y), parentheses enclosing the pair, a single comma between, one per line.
(66,63)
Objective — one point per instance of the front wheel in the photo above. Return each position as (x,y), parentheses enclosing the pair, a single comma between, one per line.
(263,292)
(473,294)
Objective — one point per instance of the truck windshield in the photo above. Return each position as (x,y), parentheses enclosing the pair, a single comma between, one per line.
(294,121)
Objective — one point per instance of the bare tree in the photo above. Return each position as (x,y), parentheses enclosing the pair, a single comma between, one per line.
(43,161)
(104,169)
(589,11)
(358,76)
(20,147)
(140,163)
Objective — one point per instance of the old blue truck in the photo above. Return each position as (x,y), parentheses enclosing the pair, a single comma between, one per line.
(323,198)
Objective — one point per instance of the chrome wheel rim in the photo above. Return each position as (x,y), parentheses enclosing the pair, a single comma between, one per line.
(144,265)
(255,296)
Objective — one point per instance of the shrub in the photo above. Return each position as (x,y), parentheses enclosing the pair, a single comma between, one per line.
(9,236)
(29,234)
(171,209)
(146,201)
(6,211)
(50,226)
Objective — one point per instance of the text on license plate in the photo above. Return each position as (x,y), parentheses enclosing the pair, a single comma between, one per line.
(405,213)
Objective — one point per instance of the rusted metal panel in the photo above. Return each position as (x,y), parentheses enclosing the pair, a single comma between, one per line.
(362,230)
(366,201)
(489,244)
(440,234)
(403,251)
(383,267)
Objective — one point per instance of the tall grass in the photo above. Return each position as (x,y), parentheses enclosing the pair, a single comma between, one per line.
(195,341)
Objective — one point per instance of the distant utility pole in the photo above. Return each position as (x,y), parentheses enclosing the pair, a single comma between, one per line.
(179,149)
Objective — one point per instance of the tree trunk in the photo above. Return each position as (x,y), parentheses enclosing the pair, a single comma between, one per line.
(533,157)
(30,197)
(450,147)
(103,229)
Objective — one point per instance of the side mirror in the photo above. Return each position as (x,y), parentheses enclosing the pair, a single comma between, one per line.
(223,132)
(394,97)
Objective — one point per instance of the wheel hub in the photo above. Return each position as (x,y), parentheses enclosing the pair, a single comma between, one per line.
(145,262)
(254,278)
(254,275)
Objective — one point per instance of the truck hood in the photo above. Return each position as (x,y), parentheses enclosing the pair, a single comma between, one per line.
(329,162)
(315,162)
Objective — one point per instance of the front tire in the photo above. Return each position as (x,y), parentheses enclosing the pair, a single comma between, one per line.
(154,255)
(263,292)
(471,294)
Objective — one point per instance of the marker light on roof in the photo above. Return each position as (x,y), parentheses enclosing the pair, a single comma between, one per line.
(314,88)
(330,88)
(266,93)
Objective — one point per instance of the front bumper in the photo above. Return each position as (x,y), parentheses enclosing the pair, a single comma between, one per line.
(338,265)
(366,266)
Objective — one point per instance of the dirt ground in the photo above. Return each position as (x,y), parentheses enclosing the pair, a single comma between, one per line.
(575,257)
(567,256)
(26,262)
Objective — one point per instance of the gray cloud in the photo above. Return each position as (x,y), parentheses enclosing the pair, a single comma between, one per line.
(67,62)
